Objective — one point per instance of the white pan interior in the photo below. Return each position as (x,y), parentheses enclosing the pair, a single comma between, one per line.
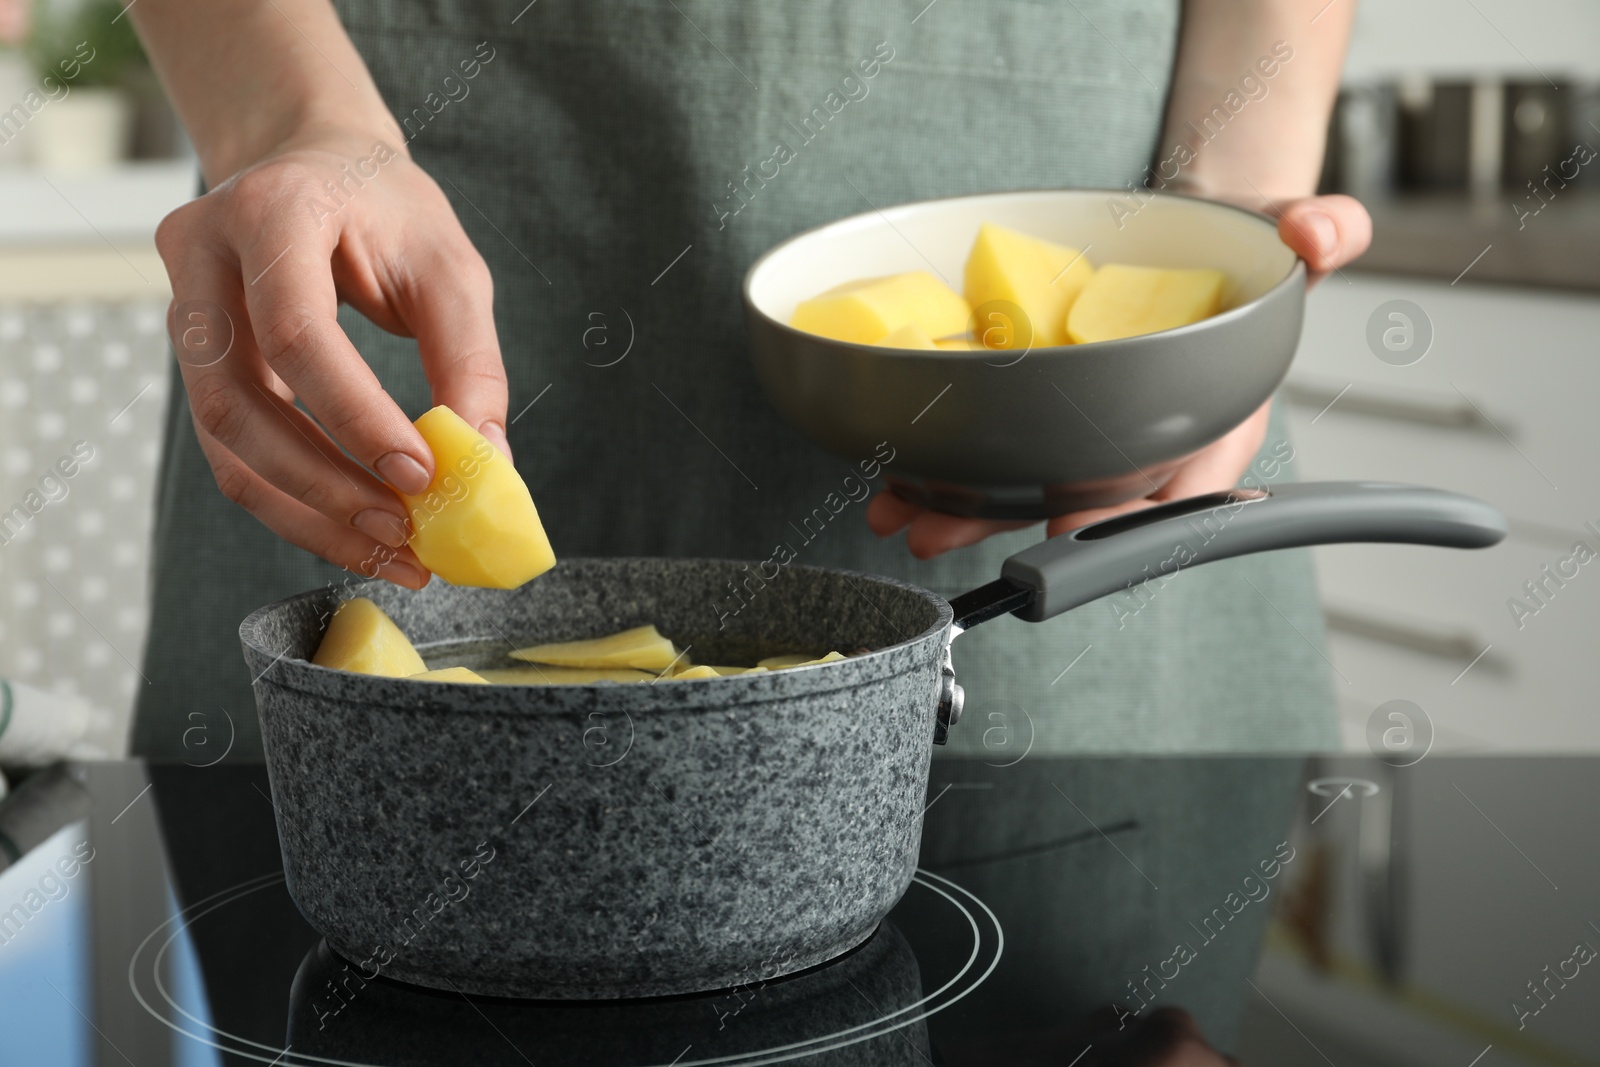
(1111,227)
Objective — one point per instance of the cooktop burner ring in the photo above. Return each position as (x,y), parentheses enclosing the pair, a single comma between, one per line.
(988,946)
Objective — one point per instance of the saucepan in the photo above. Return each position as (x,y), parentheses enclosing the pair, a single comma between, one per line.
(625,840)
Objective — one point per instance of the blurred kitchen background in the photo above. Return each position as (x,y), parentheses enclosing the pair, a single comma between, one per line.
(1465,125)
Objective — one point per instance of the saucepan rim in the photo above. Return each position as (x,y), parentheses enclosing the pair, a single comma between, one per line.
(300,675)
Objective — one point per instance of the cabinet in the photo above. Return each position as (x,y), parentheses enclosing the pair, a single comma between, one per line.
(1501,406)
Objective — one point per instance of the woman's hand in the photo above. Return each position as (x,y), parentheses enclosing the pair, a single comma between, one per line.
(1325,231)
(266,257)
(314,201)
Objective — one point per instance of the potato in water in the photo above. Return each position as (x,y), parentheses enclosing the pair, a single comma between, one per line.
(787,659)
(706,670)
(798,659)
(642,648)
(361,638)
(535,674)
(450,674)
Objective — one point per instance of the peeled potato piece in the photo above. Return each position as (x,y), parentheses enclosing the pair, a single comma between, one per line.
(959,344)
(788,659)
(869,309)
(642,648)
(361,638)
(798,659)
(1040,277)
(450,674)
(548,675)
(1122,301)
(476,524)
(694,672)
(908,336)
(721,672)
(831,657)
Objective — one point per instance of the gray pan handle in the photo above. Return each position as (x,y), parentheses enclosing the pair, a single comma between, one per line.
(1074,568)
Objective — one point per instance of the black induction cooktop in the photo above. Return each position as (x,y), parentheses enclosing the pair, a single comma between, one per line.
(1069,912)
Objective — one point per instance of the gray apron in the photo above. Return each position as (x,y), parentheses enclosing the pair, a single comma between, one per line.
(602,158)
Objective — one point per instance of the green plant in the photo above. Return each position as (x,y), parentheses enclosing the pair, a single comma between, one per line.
(87,43)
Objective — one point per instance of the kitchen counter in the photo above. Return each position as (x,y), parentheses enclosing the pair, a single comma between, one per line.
(1434,234)
(119,204)
(1066,912)
(89,236)
(1451,235)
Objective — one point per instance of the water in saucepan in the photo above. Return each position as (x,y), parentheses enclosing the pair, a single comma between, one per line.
(494,653)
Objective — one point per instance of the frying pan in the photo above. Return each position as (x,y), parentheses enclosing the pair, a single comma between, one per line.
(607,841)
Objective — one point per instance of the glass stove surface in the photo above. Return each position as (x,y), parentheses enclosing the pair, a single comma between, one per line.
(1067,911)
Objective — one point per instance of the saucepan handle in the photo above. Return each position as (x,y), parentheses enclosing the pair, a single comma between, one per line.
(1074,568)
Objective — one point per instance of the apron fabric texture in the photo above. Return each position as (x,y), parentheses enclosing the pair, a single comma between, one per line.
(618,164)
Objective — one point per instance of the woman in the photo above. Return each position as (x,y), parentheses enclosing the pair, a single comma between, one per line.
(603,169)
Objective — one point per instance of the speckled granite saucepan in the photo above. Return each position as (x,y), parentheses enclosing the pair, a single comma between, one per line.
(604,841)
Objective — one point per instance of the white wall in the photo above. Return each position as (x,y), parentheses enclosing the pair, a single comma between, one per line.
(1460,38)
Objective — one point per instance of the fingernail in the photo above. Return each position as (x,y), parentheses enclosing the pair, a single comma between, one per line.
(497,436)
(1326,234)
(404,473)
(382,526)
(400,572)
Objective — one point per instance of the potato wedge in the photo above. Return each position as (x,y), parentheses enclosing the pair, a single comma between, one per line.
(692,673)
(720,671)
(361,638)
(1040,277)
(475,524)
(1122,301)
(450,674)
(642,648)
(868,309)
(547,675)
(788,659)
(908,336)
(798,659)
(831,657)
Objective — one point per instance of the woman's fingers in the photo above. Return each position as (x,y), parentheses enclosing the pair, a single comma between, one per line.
(436,288)
(1076,519)
(930,533)
(448,305)
(1325,231)
(292,305)
(239,404)
(889,514)
(289,451)
(258,252)
(1220,464)
(300,525)
(934,533)
(1216,467)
